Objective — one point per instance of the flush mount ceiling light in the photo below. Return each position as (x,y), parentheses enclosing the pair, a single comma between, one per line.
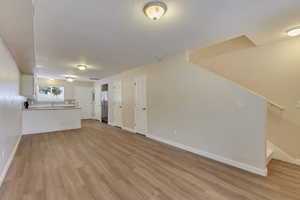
(155,10)
(70,79)
(294,31)
(82,67)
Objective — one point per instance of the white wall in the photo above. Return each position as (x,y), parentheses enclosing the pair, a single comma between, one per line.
(271,70)
(207,112)
(190,106)
(10,108)
(27,85)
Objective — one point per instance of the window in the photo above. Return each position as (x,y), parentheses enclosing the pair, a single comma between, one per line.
(51,93)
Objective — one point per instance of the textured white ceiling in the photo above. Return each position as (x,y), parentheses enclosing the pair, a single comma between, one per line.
(114,35)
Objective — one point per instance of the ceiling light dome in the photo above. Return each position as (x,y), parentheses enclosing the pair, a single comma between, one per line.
(82,67)
(155,10)
(294,31)
(70,78)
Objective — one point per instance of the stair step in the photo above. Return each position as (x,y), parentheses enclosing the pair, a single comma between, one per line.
(269,154)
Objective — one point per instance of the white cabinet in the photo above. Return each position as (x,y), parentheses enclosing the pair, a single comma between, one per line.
(50,120)
(27,85)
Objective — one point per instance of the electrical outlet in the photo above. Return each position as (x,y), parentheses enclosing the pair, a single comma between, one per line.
(298,105)
(175,132)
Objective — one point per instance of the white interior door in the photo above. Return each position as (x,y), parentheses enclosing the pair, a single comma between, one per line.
(97,103)
(97,109)
(140,105)
(84,96)
(117,103)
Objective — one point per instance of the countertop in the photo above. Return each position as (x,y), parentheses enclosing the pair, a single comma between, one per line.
(52,108)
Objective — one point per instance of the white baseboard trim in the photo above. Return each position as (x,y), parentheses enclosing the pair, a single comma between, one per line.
(246,167)
(279,154)
(24,132)
(110,123)
(269,158)
(128,129)
(115,125)
(9,161)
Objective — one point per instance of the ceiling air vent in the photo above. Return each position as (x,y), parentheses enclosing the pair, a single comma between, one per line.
(94,79)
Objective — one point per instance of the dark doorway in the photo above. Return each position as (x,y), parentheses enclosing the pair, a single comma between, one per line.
(104,103)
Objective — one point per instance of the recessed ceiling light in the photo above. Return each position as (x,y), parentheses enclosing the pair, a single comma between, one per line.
(82,67)
(155,10)
(294,32)
(39,66)
(70,79)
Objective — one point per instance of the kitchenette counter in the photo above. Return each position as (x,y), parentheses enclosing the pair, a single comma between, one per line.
(50,119)
(52,108)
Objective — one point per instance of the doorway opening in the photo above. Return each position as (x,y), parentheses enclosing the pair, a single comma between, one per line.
(104,103)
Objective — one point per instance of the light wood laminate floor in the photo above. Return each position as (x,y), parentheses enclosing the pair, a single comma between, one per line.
(100,162)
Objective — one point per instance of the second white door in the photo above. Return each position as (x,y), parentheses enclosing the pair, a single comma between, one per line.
(117,103)
(84,96)
(140,105)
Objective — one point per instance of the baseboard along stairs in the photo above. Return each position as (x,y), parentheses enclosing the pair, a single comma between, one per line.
(274,152)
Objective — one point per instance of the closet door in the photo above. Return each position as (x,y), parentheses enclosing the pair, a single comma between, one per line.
(140,105)
(84,96)
(117,103)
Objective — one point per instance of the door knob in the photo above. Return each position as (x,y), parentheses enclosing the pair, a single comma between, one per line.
(144,108)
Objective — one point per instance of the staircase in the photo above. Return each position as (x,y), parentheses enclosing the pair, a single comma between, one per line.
(269,152)
(249,66)
(274,152)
